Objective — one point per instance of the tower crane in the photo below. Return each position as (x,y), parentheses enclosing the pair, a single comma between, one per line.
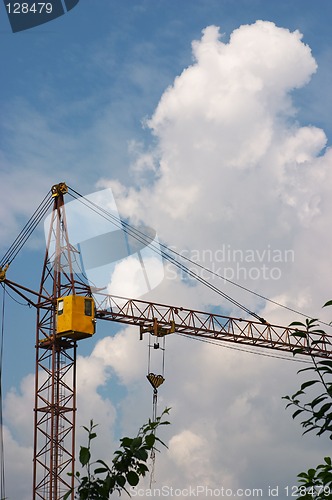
(67,309)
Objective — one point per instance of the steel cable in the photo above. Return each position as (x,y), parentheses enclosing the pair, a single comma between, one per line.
(2,451)
(143,238)
(27,230)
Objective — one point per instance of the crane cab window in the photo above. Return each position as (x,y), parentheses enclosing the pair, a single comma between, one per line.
(88,307)
(60,307)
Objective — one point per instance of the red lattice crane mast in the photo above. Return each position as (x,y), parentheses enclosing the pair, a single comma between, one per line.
(66,313)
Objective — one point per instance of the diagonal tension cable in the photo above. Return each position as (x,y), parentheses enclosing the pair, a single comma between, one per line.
(165,253)
(27,230)
(143,238)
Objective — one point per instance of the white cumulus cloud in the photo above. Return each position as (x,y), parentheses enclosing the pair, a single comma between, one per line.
(234,174)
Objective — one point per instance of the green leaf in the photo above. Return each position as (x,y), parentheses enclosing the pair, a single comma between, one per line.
(303,474)
(298,350)
(296,413)
(108,485)
(297,333)
(322,332)
(317,400)
(308,384)
(310,368)
(323,410)
(298,393)
(126,442)
(143,469)
(311,473)
(100,470)
(102,463)
(120,480)
(150,440)
(326,362)
(136,442)
(132,478)
(161,442)
(141,454)
(309,322)
(68,494)
(328,303)
(85,455)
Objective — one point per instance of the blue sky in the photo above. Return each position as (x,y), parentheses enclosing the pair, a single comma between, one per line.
(109,62)
(84,100)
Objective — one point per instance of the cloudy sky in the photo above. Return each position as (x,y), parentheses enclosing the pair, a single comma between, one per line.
(210,122)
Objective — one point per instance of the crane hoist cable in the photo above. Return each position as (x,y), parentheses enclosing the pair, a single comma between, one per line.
(165,252)
(155,380)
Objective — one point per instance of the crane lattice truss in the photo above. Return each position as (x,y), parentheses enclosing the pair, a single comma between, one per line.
(55,386)
(161,320)
(55,373)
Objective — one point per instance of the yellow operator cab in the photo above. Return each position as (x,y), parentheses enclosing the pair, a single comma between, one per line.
(75,317)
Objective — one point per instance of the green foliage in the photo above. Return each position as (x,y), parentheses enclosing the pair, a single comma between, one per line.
(128,464)
(316,483)
(317,412)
